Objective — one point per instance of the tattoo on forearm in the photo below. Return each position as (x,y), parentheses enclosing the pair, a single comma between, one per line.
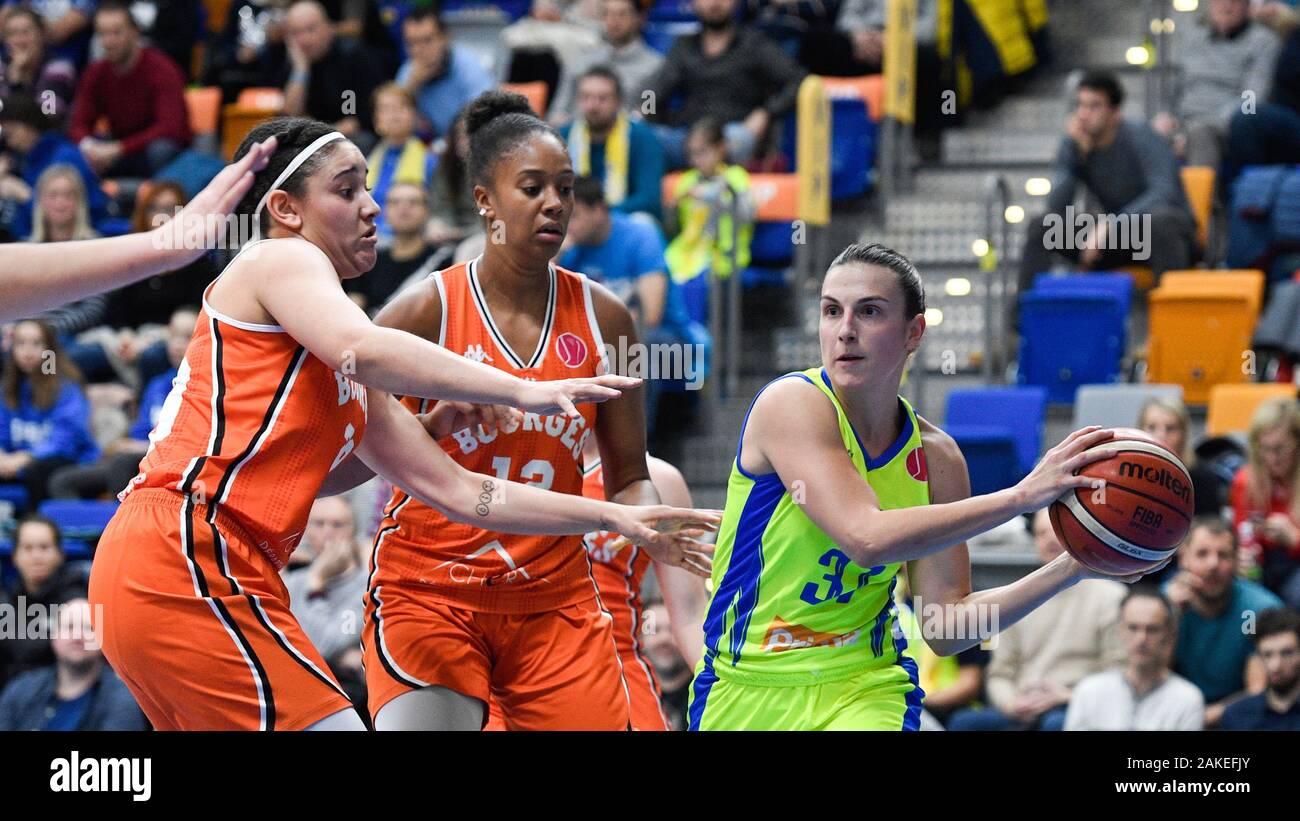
(485,498)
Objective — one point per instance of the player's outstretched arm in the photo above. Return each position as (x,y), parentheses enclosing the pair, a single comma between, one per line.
(793,431)
(943,578)
(35,277)
(398,447)
(304,298)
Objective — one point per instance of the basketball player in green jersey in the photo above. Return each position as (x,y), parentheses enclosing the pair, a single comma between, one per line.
(836,483)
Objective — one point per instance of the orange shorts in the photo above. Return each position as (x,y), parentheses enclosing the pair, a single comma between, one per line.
(555,670)
(643,696)
(196,621)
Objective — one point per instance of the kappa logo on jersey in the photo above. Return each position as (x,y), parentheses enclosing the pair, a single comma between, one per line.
(782,635)
(916,464)
(571,349)
(477,353)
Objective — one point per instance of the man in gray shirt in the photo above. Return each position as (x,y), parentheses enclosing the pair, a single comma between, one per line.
(731,73)
(1132,174)
(1143,694)
(326,596)
(1219,59)
(622,49)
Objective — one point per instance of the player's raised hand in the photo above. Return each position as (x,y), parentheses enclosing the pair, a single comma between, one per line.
(563,395)
(669,534)
(1056,472)
(220,196)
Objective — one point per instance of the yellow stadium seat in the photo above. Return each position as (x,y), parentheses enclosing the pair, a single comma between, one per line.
(1198,339)
(1232,406)
(535,92)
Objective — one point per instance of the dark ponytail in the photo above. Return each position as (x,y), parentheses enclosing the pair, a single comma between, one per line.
(497,122)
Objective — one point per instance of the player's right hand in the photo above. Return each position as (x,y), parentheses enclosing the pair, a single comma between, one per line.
(563,395)
(668,534)
(1055,472)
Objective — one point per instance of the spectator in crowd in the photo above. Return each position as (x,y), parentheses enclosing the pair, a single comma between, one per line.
(623,49)
(44,578)
(67,24)
(454,214)
(141,93)
(626,255)
(329,79)
(249,49)
(1265,500)
(1269,134)
(670,668)
(121,460)
(727,72)
(1213,650)
(362,21)
(442,76)
(606,144)
(1224,55)
(171,26)
(1132,174)
(38,145)
(1038,661)
(1143,694)
(550,41)
(152,303)
(1277,645)
(1167,420)
(79,691)
(44,416)
(700,211)
(405,253)
(31,69)
(400,157)
(326,595)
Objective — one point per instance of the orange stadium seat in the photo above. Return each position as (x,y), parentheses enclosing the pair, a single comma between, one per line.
(870,88)
(1232,406)
(1198,183)
(261,97)
(1249,282)
(1198,336)
(535,92)
(204,106)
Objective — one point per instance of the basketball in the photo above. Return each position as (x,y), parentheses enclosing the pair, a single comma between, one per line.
(1137,518)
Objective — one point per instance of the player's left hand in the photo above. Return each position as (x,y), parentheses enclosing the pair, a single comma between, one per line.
(1083,572)
(669,534)
(448,416)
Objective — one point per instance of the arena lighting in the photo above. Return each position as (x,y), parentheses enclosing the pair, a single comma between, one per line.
(957,286)
(979,247)
(1185,5)
(1014,214)
(933,317)
(1038,186)
(1137,55)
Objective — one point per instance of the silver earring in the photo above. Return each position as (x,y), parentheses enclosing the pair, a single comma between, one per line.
(482,212)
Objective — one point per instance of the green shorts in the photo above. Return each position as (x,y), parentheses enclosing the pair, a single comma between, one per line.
(886,698)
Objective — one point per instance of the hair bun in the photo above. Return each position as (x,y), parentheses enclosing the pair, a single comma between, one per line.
(489,105)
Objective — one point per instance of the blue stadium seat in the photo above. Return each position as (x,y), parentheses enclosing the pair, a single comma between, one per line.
(772,245)
(853,146)
(991,458)
(15,495)
(1019,410)
(79,519)
(660,35)
(1118,283)
(1069,339)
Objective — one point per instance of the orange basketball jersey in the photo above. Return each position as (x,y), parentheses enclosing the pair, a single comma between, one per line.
(252,426)
(464,566)
(618,567)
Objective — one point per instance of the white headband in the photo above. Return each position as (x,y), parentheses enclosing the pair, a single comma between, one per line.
(293,166)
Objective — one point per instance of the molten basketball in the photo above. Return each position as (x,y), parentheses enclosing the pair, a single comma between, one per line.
(1137,518)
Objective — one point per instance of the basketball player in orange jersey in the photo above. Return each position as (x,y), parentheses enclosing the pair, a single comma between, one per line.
(619,569)
(37,276)
(194,616)
(457,614)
